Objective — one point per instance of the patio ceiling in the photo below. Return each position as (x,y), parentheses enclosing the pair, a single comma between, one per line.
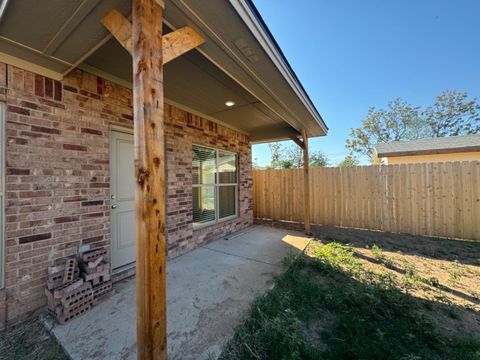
(239,60)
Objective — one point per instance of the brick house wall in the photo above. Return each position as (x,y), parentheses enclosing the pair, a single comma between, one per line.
(183,130)
(57,177)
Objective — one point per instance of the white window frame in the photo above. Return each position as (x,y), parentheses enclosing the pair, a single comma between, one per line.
(216,186)
(2,194)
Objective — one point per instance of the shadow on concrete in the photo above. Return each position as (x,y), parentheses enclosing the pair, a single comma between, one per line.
(209,292)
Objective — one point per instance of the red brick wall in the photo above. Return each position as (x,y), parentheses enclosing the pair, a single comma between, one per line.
(183,130)
(57,175)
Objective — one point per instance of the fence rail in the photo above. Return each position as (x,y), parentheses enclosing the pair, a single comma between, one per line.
(436,199)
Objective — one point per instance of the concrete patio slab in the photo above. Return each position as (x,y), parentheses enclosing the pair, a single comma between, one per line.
(209,292)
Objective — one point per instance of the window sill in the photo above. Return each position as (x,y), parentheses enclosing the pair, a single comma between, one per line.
(213,223)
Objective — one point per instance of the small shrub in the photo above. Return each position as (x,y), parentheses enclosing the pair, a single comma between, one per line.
(456,272)
(410,278)
(377,253)
(386,280)
(381,257)
(432,281)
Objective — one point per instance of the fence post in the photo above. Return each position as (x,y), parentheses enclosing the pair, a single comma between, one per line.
(306,184)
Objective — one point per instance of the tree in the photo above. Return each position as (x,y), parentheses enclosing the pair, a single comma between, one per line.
(256,165)
(349,161)
(401,121)
(282,157)
(276,151)
(318,159)
(291,157)
(452,114)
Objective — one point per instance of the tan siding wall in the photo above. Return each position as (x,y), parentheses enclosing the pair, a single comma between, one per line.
(416,159)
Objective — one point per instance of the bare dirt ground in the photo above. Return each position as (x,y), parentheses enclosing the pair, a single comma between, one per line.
(358,294)
(437,269)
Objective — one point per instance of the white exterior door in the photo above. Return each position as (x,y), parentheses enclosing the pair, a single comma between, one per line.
(122,198)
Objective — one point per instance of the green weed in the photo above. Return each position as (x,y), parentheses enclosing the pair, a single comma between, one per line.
(370,318)
(456,272)
(381,257)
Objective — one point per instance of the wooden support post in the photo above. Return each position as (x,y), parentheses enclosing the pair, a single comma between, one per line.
(306,181)
(306,184)
(150,51)
(150,174)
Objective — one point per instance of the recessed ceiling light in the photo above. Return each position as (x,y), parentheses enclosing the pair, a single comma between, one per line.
(229,103)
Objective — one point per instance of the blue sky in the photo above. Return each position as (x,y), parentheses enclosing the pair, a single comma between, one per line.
(352,54)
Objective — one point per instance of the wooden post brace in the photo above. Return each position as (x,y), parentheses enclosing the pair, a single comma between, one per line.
(174,44)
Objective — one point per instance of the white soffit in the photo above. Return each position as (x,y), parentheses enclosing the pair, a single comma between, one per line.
(51,37)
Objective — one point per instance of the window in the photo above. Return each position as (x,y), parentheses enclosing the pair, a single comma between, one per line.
(214,185)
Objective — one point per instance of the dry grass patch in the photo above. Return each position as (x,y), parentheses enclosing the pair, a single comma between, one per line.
(445,270)
(29,341)
(365,295)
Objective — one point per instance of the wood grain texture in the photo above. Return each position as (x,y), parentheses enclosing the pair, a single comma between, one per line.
(150,174)
(306,183)
(150,50)
(296,140)
(174,44)
(433,199)
(179,42)
(120,28)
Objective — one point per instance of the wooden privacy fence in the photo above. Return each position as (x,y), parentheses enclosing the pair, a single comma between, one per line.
(436,199)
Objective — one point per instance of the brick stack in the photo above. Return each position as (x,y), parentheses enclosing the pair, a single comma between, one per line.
(96,271)
(68,295)
(73,286)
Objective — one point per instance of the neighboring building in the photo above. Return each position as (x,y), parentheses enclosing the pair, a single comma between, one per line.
(66,133)
(452,148)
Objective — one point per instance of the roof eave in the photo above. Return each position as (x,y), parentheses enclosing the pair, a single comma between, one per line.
(430,151)
(252,19)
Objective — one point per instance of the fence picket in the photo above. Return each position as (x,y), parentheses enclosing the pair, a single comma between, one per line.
(440,199)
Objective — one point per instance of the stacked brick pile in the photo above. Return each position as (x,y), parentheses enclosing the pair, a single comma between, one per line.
(67,294)
(75,285)
(96,270)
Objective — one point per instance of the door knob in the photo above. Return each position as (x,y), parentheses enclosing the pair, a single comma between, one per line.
(114,206)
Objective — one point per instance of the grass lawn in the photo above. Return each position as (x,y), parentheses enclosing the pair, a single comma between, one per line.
(367,296)
(29,341)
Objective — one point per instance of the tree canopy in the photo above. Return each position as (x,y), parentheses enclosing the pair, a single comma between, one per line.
(291,157)
(349,161)
(452,113)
